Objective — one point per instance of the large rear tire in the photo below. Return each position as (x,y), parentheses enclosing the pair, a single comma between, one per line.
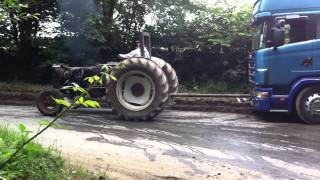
(308,105)
(46,104)
(172,78)
(141,90)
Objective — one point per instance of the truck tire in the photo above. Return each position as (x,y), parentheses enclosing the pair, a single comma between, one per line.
(45,103)
(141,90)
(307,104)
(172,78)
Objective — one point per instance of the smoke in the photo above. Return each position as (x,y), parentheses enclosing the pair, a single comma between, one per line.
(74,27)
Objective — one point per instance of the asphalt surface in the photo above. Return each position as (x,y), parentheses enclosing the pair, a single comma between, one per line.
(275,145)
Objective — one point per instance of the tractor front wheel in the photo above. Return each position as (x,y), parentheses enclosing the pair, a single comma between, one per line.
(46,104)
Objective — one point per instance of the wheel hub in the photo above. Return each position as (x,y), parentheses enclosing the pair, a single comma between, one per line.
(137,90)
(313,105)
(48,102)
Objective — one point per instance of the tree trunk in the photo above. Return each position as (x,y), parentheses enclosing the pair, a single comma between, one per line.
(110,14)
(108,8)
(25,49)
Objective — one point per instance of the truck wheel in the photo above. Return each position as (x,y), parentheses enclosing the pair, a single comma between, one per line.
(308,105)
(171,77)
(141,90)
(45,103)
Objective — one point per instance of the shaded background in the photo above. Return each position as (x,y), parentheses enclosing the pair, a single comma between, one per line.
(207,45)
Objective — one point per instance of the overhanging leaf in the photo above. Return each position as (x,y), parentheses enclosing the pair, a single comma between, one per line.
(93,104)
(113,78)
(62,102)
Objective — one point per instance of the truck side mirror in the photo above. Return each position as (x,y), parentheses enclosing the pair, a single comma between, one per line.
(278,33)
(278,37)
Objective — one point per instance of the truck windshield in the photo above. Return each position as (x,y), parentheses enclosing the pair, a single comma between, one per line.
(258,39)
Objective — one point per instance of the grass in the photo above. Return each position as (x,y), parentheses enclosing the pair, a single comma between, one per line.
(35,161)
(21,87)
(212,87)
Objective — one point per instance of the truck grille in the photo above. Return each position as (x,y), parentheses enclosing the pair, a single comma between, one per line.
(252,69)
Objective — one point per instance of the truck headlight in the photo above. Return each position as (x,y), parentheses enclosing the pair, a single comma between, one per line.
(262,95)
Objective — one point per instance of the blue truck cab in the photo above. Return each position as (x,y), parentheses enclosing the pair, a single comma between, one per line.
(284,66)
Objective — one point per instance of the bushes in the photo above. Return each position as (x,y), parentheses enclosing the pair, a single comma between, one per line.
(213,87)
(21,87)
(203,43)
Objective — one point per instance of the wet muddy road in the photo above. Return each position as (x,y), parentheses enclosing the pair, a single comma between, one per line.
(181,144)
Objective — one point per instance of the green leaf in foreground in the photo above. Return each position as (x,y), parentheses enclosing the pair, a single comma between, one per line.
(90,80)
(35,161)
(113,78)
(105,68)
(62,102)
(92,104)
(46,123)
(22,127)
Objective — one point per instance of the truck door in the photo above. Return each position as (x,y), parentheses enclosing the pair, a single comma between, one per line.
(316,44)
(294,59)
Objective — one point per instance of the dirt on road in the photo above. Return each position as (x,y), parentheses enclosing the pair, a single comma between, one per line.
(149,160)
(181,145)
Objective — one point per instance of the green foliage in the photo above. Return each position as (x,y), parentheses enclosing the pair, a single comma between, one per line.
(78,100)
(21,87)
(226,25)
(203,43)
(62,102)
(212,87)
(76,88)
(103,78)
(94,80)
(43,123)
(24,132)
(90,103)
(35,162)
(110,30)
(15,8)
(188,34)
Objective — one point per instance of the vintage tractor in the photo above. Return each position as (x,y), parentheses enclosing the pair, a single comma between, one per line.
(143,88)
